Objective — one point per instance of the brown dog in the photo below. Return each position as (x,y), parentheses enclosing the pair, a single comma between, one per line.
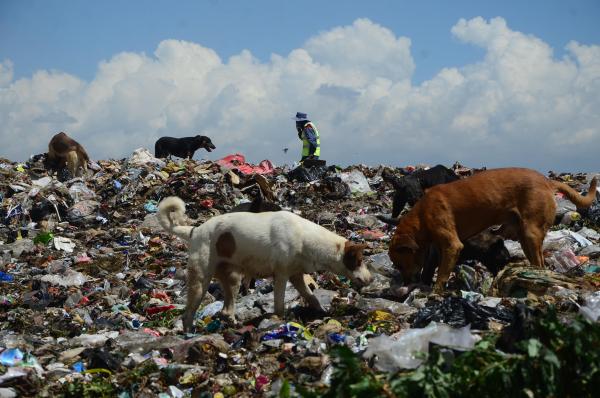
(63,151)
(522,200)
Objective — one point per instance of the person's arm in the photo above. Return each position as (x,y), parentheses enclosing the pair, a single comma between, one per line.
(310,135)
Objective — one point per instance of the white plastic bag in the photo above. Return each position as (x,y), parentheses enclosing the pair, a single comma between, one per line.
(591,309)
(404,353)
(357,182)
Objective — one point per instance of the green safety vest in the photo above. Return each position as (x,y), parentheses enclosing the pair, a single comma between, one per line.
(306,144)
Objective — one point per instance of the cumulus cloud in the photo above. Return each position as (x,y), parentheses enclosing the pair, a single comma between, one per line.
(518,105)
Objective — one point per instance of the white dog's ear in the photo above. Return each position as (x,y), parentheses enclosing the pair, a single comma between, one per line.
(353,254)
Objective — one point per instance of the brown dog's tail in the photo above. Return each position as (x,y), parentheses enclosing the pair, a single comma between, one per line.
(171,213)
(577,199)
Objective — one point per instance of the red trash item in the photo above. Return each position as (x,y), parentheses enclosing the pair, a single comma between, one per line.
(238,161)
(151,332)
(160,308)
(207,203)
(161,296)
(372,234)
(261,382)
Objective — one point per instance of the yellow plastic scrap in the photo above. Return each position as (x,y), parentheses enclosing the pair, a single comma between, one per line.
(379,320)
(172,167)
(164,175)
(97,370)
(334,322)
(379,315)
(302,331)
(20,168)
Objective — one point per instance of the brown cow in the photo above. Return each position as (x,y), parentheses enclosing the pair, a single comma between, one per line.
(65,152)
(522,200)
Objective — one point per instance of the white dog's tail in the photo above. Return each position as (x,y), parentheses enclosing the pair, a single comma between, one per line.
(171,214)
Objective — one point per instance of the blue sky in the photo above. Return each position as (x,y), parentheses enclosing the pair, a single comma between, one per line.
(60,45)
(73,36)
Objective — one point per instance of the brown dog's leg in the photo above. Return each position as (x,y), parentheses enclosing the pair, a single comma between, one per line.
(72,163)
(450,250)
(531,240)
(302,287)
(83,167)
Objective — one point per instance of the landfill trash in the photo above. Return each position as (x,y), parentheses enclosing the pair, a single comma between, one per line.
(4,277)
(570,217)
(151,206)
(61,243)
(459,312)
(142,156)
(517,280)
(105,318)
(591,309)
(69,278)
(405,351)
(307,174)
(238,162)
(43,237)
(290,330)
(357,182)
(11,357)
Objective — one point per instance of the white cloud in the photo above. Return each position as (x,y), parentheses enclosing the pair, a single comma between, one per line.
(6,72)
(518,105)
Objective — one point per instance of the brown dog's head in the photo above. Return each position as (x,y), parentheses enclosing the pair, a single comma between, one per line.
(54,163)
(202,141)
(353,265)
(404,253)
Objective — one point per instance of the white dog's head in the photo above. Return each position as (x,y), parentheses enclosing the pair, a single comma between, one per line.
(353,266)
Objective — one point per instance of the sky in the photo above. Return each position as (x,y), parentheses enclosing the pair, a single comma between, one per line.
(485,83)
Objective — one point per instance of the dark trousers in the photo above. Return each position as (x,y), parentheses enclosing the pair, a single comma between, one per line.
(309,157)
(311,151)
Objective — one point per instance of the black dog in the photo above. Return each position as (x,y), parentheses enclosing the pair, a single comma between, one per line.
(485,247)
(411,188)
(181,147)
(258,205)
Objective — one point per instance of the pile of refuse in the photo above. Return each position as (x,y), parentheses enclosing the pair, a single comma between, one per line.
(92,291)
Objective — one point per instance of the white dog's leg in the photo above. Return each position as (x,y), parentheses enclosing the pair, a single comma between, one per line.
(279,284)
(300,284)
(197,286)
(230,284)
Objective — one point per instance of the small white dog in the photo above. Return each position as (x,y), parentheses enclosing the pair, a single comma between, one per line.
(278,244)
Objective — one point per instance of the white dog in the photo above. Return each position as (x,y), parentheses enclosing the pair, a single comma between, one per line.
(278,244)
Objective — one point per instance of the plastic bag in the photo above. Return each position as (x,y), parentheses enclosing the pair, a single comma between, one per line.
(591,309)
(61,243)
(79,191)
(142,156)
(304,174)
(403,353)
(458,312)
(563,261)
(357,182)
(70,278)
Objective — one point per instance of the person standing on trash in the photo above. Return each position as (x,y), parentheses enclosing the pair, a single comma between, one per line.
(308,133)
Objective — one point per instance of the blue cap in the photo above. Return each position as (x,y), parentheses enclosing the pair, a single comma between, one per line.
(300,116)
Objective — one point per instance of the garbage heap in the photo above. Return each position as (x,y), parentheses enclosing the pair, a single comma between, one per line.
(92,292)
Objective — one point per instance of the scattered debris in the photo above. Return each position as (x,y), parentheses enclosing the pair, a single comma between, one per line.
(92,294)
